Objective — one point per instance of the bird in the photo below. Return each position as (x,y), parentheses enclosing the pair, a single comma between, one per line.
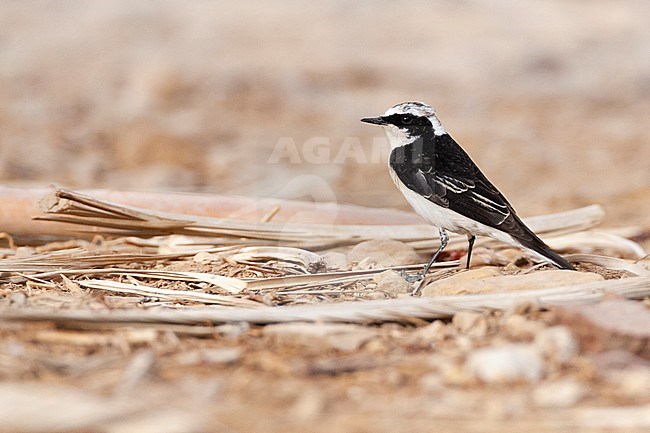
(446,188)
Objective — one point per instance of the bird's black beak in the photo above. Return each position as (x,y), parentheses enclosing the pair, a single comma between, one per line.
(374,120)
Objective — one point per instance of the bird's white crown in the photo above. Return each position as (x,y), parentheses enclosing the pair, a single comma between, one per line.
(415,108)
(418,109)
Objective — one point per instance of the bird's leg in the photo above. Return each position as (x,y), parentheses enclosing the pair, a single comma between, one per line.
(444,239)
(470,241)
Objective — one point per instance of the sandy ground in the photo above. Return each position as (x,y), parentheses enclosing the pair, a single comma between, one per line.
(264,99)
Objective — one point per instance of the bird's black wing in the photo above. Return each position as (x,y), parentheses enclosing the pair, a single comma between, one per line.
(445,174)
(439,169)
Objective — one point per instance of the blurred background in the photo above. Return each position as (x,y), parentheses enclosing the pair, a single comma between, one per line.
(551,98)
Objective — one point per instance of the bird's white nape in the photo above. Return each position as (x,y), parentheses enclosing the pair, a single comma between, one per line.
(418,109)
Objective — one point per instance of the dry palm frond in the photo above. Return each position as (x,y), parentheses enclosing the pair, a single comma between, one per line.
(297,259)
(311,280)
(359,312)
(229,284)
(610,263)
(70,207)
(76,258)
(617,245)
(174,295)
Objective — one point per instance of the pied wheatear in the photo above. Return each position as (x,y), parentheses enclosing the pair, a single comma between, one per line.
(446,188)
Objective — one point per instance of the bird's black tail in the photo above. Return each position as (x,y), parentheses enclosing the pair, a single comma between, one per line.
(531,241)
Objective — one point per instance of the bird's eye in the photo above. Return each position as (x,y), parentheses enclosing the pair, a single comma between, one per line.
(407,120)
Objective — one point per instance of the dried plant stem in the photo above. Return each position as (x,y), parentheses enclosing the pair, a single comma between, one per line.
(357,312)
(111,218)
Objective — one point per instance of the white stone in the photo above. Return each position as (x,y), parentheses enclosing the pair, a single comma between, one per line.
(454,284)
(634,382)
(518,326)
(505,363)
(481,281)
(556,343)
(204,257)
(392,283)
(336,261)
(223,355)
(384,253)
(428,334)
(470,323)
(321,336)
(559,394)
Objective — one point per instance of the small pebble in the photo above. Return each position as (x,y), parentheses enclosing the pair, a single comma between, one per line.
(556,343)
(392,283)
(336,261)
(470,323)
(321,336)
(505,363)
(564,393)
(383,253)
(520,327)
(633,383)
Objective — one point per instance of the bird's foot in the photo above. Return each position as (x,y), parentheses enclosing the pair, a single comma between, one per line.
(417,288)
(412,278)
